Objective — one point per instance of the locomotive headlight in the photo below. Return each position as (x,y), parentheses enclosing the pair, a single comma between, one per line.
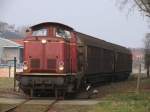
(25,67)
(43,41)
(25,41)
(61,66)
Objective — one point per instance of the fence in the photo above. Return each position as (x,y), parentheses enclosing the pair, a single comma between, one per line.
(7,69)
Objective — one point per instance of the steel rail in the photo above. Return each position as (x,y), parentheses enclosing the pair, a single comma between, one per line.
(49,108)
(17,106)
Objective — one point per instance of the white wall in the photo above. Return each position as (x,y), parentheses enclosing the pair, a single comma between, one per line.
(1,52)
(10,53)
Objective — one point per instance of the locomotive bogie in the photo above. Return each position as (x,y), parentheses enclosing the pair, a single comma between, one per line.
(33,84)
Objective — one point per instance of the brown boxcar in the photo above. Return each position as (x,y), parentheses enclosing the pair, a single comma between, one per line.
(103,61)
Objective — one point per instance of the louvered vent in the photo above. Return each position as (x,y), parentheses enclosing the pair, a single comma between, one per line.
(51,64)
(35,63)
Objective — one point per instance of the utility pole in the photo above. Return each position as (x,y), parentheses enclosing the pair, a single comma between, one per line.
(138,77)
(9,67)
(15,73)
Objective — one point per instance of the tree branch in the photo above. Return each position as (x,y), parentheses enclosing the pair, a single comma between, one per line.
(139,5)
(146,6)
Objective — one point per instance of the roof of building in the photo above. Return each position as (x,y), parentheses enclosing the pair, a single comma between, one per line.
(8,43)
(18,41)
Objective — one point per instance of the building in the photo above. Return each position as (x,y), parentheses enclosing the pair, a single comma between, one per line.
(10,49)
(138,60)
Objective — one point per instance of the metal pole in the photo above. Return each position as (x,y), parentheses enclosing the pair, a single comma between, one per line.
(138,80)
(9,67)
(15,73)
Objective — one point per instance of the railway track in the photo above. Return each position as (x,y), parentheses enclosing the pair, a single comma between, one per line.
(13,109)
(16,108)
(49,107)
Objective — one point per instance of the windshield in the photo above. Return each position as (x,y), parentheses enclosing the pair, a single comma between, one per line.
(41,32)
(63,33)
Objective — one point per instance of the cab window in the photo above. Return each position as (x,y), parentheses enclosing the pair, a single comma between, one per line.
(63,33)
(41,32)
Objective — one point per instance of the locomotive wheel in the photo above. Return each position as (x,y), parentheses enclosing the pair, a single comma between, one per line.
(60,93)
(83,84)
(26,91)
(31,92)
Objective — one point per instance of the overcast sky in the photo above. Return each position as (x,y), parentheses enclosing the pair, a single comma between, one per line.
(100,18)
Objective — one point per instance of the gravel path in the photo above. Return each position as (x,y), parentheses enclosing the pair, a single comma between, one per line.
(46,102)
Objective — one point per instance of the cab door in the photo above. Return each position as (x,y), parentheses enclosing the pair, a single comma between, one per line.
(68,57)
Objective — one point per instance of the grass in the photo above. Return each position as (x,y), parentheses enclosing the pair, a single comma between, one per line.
(128,102)
(6,83)
(125,99)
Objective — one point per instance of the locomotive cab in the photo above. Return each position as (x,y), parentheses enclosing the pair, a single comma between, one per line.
(50,58)
(50,48)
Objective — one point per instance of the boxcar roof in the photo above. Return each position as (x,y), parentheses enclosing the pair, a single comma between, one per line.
(92,41)
(50,24)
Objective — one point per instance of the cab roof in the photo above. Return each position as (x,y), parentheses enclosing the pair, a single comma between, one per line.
(37,26)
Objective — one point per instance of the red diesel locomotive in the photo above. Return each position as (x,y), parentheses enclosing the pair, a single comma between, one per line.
(59,60)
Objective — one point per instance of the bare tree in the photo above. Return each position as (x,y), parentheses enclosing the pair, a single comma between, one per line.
(22,30)
(147,53)
(143,5)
